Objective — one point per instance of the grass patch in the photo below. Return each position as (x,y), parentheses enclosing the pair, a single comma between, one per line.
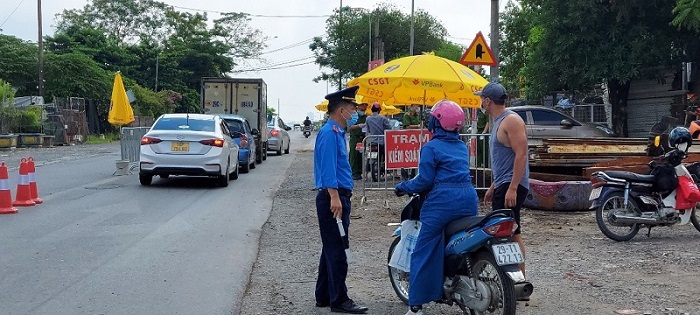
(104,138)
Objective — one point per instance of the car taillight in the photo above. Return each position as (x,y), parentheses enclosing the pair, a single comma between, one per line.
(150,140)
(503,229)
(274,132)
(213,142)
(244,141)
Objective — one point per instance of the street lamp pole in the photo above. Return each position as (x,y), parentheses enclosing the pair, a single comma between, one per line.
(494,39)
(413,22)
(40,56)
(340,39)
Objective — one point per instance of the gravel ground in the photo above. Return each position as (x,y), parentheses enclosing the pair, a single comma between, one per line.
(574,268)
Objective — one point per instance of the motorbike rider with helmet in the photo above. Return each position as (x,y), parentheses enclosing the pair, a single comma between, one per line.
(444,170)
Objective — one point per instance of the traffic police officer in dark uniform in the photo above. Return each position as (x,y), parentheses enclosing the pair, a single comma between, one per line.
(334,182)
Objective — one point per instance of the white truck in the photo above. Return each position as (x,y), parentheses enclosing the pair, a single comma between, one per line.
(244,97)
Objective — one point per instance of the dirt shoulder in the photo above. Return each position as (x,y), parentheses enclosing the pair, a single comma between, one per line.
(574,268)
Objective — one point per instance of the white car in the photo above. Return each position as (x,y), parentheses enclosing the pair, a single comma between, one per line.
(188,144)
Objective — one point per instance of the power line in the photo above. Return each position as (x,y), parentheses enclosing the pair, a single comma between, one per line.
(274,68)
(306,41)
(253,15)
(13,12)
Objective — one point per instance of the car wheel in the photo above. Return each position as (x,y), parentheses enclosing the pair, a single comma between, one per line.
(145,180)
(234,175)
(286,151)
(279,151)
(264,152)
(252,165)
(245,168)
(164,176)
(223,179)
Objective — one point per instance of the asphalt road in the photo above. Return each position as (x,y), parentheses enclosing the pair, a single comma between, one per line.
(103,244)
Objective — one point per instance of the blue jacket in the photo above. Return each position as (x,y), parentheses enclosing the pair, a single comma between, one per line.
(444,169)
(331,163)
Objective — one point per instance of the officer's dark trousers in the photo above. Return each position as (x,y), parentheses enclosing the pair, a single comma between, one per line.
(355,157)
(333,265)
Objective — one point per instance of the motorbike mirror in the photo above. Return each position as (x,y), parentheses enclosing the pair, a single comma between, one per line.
(657,141)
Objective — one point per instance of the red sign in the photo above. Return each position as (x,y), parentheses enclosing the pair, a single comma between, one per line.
(374,63)
(403,147)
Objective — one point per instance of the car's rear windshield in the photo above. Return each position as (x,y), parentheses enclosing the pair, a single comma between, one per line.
(235,125)
(182,123)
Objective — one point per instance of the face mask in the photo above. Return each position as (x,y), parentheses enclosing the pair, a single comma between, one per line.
(352,120)
(360,114)
(483,110)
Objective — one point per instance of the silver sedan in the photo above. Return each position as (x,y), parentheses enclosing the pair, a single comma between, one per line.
(189,144)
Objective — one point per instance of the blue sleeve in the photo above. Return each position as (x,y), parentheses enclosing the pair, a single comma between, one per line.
(327,159)
(426,173)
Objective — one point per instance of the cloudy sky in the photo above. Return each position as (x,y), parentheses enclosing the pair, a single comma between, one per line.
(293,87)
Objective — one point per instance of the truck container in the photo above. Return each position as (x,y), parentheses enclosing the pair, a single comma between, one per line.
(245,97)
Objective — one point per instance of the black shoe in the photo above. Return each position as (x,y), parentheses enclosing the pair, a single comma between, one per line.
(349,307)
(323,304)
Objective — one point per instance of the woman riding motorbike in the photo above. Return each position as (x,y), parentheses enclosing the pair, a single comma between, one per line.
(444,170)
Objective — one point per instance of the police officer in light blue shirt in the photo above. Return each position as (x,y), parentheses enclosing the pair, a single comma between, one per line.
(333,178)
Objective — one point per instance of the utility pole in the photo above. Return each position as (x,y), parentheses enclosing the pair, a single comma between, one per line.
(413,23)
(40,56)
(494,39)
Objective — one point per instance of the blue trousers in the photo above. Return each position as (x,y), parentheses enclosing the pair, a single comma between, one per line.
(333,265)
(427,259)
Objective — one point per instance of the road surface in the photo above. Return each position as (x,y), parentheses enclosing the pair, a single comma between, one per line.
(103,244)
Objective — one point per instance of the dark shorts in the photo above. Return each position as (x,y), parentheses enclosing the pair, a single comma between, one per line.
(499,201)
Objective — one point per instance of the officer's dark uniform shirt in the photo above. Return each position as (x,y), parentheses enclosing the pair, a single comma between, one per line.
(331,164)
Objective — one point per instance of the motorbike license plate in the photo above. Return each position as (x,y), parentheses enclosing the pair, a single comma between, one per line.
(373,155)
(180,147)
(595,193)
(508,254)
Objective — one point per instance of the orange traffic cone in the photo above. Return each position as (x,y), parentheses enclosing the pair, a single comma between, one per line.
(24,192)
(32,182)
(5,193)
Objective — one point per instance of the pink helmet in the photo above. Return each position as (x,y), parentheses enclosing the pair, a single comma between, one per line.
(449,114)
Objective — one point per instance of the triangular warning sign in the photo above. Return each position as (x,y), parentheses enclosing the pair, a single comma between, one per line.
(478,53)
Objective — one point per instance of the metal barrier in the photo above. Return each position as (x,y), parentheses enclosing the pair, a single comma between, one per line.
(378,178)
(130,142)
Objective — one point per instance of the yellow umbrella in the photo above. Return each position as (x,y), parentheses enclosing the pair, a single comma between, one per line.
(387,110)
(423,79)
(120,111)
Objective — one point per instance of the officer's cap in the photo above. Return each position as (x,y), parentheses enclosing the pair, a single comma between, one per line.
(345,95)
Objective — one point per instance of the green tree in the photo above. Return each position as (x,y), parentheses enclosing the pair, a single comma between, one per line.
(18,64)
(573,45)
(347,36)
(7,93)
(687,14)
(75,74)
(129,20)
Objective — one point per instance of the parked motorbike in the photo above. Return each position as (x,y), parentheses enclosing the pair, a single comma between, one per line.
(625,202)
(375,161)
(307,131)
(482,275)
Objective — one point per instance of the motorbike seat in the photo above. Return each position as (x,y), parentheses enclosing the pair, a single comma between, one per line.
(632,177)
(467,223)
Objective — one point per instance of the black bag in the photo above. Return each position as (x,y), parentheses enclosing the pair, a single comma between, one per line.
(666,179)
